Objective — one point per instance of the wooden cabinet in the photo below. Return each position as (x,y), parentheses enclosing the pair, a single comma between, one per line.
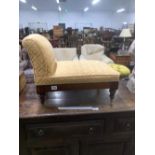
(114,141)
(121,59)
(72,129)
(109,136)
(107,147)
(61,148)
(50,131)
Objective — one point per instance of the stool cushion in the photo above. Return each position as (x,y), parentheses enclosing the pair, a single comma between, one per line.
(80,72)
(123,70)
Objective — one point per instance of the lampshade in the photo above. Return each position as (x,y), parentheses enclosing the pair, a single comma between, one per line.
(125,33)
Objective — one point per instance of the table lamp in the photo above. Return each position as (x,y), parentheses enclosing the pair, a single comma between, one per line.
(125,33)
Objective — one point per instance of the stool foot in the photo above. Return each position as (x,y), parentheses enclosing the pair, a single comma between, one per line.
(112,95)
(42,98)
(98,92)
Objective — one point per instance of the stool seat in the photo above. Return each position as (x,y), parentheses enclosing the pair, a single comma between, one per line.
(123,70)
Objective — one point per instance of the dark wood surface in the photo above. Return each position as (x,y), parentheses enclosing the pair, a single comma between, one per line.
(45,130)
(30,105)
(42,90)
(77,86)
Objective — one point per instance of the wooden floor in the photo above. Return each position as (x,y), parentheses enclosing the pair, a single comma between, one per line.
(30,105)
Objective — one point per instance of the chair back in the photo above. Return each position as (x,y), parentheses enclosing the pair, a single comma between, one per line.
(41,55)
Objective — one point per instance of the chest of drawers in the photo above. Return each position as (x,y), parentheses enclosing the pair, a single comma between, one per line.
(112,134)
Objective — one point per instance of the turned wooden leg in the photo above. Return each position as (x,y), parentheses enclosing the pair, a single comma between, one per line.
(42,98)
(112,94)
(98,92)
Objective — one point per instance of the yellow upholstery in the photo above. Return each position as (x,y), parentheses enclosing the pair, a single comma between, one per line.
(63,72)
(41,54)
(123,70)
(80,72)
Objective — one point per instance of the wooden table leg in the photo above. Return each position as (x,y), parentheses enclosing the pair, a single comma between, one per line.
(42,98)
(98,92)
(112,94)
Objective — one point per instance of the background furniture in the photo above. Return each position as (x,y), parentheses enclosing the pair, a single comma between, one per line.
(22,59)
(63,54)
(131,82)
(120,59)
(61,36)
(94,52)
(25,65)
(125,33)
(58,31)
(49,131)
(131,52)
(22,81)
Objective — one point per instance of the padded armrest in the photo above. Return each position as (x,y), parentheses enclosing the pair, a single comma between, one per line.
(104,58)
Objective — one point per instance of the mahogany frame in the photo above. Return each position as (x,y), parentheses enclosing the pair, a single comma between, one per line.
(43,89)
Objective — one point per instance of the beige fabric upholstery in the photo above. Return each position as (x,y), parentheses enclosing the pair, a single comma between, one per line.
(94,52)
(89,49)
(41,54)
(48,72)
(62,54)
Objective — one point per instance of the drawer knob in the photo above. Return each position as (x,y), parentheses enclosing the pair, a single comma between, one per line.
(128,125)
(41,132)
(91,130)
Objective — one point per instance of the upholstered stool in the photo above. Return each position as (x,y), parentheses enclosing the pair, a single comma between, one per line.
(123,70)
(52,75)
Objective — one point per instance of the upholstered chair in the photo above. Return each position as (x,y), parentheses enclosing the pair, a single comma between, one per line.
(65,54)
(52,75)
(94,52)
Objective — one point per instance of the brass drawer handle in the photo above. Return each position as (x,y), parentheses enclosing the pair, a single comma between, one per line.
(41,132)
(91,130)
(128,125)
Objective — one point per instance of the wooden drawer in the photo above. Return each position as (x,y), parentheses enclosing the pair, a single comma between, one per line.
(120,59)
(64,130)
(61,148)
(124,125)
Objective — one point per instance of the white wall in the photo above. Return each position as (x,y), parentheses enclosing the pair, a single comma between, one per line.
(75,19)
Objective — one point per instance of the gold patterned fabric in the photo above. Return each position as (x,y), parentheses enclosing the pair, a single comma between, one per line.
(41,54)
(80,72)
(48,72)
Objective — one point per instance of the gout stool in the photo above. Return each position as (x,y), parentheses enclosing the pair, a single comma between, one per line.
(52,75)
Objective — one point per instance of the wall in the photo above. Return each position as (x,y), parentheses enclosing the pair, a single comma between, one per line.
(76,20)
